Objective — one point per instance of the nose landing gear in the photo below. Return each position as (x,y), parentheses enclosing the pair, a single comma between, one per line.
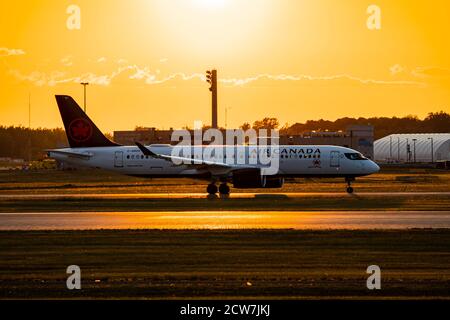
(349,185)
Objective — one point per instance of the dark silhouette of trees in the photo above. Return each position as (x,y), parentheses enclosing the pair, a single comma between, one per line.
(24,143)
(266,123)
(245,126)
(438,122)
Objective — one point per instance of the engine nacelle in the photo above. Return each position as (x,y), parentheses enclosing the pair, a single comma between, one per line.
(252,179)
(274,182)
(248,179)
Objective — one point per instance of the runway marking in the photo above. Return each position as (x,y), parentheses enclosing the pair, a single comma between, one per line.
(225,220)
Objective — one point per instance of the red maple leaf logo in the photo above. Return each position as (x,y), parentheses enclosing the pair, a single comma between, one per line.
(80,130)
(316,163)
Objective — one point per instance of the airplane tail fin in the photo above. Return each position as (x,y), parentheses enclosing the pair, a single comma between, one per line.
(80,130)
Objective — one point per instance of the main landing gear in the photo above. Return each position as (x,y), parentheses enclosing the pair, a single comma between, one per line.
(349,184)
(212,189)
(223,189)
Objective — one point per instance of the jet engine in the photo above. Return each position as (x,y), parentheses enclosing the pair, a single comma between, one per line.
(248,179)
(274,182)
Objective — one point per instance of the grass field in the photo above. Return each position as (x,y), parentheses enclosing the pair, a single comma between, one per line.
(225,264)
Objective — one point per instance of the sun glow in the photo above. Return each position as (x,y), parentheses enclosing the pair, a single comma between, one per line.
(211,3)
(210,30)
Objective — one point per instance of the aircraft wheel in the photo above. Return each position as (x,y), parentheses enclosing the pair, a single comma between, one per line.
(211,189)
(349,190)
(224,189)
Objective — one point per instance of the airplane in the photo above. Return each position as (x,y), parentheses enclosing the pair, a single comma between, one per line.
(90,148)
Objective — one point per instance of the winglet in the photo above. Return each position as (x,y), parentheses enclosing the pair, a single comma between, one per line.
(145,150)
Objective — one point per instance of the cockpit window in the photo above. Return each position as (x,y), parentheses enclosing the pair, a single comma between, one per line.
(355,156)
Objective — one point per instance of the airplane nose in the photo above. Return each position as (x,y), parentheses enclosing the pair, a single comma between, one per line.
(374,167)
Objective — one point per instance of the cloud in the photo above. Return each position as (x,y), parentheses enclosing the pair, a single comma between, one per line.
(303,77)
(151,78)
(67,61)
(42,79)
(396,69)
(122,61)
(11,52)
(144,74)
(137,73)
(39,78)
(140,74)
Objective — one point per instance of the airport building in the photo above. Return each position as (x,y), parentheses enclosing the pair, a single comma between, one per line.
(143,135)
(412,148)
(358,137)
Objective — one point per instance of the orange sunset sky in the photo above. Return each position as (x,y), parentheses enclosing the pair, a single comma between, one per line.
(291,59)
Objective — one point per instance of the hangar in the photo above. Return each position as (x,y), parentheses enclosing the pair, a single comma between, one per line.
(413,147)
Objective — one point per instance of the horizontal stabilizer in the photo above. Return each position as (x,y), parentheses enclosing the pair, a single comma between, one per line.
(84,156)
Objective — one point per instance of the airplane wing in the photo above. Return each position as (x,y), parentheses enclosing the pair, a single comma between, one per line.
(84,156)
(196,163)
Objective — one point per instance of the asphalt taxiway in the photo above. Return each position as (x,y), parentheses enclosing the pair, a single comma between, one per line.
(238,195)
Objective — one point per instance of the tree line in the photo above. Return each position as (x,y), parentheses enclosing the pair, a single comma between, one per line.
(438,122)
(25,143)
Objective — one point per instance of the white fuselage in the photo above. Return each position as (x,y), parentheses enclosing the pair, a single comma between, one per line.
(301,161)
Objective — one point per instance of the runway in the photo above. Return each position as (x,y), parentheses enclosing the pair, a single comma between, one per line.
(226,220)
(292,195)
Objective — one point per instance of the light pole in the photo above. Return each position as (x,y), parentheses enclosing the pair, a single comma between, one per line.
(398,149)
(29,111)
(414,144)
(84,84)
(211,78)
(432,149)
(29,127)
